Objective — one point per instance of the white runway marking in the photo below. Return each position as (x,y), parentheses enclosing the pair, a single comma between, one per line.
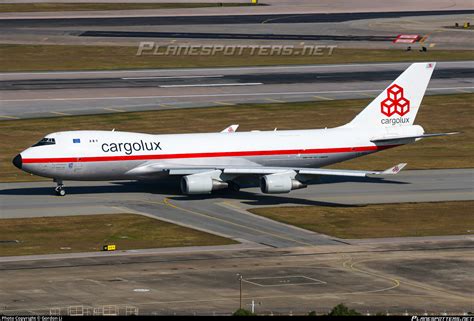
(60,113)
(214,85)
(115,110)
(171,77)
(272,281)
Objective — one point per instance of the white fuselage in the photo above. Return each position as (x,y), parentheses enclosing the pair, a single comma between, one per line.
(113,155)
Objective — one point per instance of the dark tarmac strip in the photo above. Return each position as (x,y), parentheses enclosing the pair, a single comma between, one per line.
(248,36)
(268,78)
(227,19)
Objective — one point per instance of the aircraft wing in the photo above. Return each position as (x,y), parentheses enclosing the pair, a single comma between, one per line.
(314,171)
(261,170)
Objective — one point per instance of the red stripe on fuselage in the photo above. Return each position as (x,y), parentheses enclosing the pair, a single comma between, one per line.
(206,155)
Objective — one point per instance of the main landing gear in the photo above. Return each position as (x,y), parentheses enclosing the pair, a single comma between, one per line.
(59,189)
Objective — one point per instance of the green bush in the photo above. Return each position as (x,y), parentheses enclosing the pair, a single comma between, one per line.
(242,312)
(341,309)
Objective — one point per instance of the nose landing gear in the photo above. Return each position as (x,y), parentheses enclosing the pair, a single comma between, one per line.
(59,189)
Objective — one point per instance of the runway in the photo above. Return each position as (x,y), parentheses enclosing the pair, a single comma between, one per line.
(224,213)
(50,94)
(267,76)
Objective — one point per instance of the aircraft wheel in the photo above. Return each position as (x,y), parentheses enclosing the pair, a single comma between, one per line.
(60,191)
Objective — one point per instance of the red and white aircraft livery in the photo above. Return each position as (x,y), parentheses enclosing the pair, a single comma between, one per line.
(279,161)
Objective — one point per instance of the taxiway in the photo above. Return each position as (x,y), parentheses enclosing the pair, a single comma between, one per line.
(224,213)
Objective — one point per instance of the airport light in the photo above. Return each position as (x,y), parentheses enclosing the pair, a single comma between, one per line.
(253,304)
(240,281)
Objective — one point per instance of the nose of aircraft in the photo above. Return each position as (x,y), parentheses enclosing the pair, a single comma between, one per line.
(17,161)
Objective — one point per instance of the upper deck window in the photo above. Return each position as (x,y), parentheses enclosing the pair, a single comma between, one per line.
(45,141)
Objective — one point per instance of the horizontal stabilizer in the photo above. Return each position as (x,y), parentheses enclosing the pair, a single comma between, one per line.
(391,139)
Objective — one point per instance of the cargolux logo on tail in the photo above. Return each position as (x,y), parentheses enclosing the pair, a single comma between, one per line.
(395,103)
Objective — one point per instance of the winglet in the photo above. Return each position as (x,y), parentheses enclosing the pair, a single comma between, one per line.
(394,170)
(230,129)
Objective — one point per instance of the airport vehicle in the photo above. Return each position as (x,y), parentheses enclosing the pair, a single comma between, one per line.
(279,161)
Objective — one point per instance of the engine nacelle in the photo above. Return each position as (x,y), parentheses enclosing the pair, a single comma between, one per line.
(279,183)
(201,184)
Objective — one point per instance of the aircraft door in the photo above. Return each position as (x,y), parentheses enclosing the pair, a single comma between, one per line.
(75,167)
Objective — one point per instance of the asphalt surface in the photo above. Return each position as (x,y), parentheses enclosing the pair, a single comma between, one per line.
(216,20)
(266,77)
(245,25)
(49,94)
(270,7)
(224,213)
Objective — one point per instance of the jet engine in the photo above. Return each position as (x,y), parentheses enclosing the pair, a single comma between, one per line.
(201,184)
(279,183)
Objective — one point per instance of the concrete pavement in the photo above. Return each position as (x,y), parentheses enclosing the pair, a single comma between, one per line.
(431,276)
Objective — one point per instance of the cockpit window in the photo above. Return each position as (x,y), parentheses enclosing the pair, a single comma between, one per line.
(45,141)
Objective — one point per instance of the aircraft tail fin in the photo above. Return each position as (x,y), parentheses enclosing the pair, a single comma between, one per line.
(398,104)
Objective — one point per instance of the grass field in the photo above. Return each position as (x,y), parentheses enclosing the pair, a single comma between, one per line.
(88,233)
(62,57)
(437,114)
(374,221)
(53,7)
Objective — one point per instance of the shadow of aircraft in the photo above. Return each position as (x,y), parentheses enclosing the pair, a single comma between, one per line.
(257,199)
(170,186)
(157,187)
